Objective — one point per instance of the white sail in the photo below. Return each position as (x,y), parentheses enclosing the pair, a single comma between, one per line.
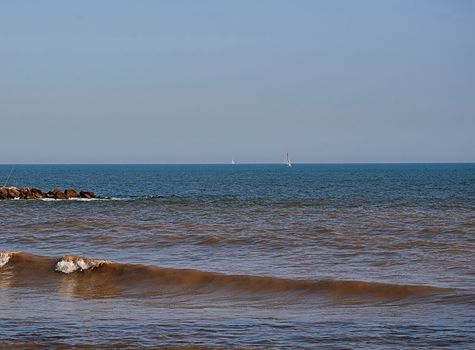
(233,162)
(289,164)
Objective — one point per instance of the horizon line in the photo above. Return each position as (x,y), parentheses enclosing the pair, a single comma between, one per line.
(254,163)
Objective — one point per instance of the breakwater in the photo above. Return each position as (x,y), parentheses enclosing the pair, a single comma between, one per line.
(12,192)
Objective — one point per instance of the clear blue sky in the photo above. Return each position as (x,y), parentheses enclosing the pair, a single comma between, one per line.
(206,81)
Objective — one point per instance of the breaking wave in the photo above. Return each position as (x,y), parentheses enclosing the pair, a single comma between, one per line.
(70,264)
(5,257)
(85,277)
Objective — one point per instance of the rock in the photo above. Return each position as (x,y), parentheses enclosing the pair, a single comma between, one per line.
(70,193)
(37,193)
(25,193)
(59,195)
(3,193)
(87,194)
(13,192)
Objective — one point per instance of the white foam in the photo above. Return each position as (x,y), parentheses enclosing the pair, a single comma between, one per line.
(78,199)
(83,199)
(5,257)
(70,264)
(70,199)
(66,266)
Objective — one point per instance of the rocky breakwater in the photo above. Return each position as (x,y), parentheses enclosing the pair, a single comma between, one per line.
(36,193)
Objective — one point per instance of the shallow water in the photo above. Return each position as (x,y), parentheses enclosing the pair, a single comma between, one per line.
(250,256)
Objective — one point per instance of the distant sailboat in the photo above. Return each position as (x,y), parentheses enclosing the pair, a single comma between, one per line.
(233,162)
(287,162)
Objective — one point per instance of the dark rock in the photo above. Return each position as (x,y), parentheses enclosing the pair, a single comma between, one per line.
(25,193)
(37,193)
(3,193)
(87,194)
(70,193)
(59,195)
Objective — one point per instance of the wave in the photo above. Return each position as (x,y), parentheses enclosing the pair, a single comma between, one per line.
(85,277)
(5,257)
(69,264)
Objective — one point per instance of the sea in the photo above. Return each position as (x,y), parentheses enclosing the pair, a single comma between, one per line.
(245,256)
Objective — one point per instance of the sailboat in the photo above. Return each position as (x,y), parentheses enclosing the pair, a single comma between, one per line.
(233,162)
(287,162)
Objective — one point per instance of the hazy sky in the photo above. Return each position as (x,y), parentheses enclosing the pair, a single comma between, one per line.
(206,81)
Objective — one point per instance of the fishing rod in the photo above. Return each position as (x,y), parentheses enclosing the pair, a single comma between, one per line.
(8,178)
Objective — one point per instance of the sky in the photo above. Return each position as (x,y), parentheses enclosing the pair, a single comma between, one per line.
(209,81)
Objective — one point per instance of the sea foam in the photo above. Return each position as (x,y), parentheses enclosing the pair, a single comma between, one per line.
(5,257)
(69,264)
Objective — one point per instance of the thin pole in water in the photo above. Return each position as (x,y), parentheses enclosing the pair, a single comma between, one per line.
(8,178)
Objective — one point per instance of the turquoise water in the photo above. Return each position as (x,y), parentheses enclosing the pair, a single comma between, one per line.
(305,229)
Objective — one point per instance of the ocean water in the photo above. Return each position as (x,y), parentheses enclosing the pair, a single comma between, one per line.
(243,256)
